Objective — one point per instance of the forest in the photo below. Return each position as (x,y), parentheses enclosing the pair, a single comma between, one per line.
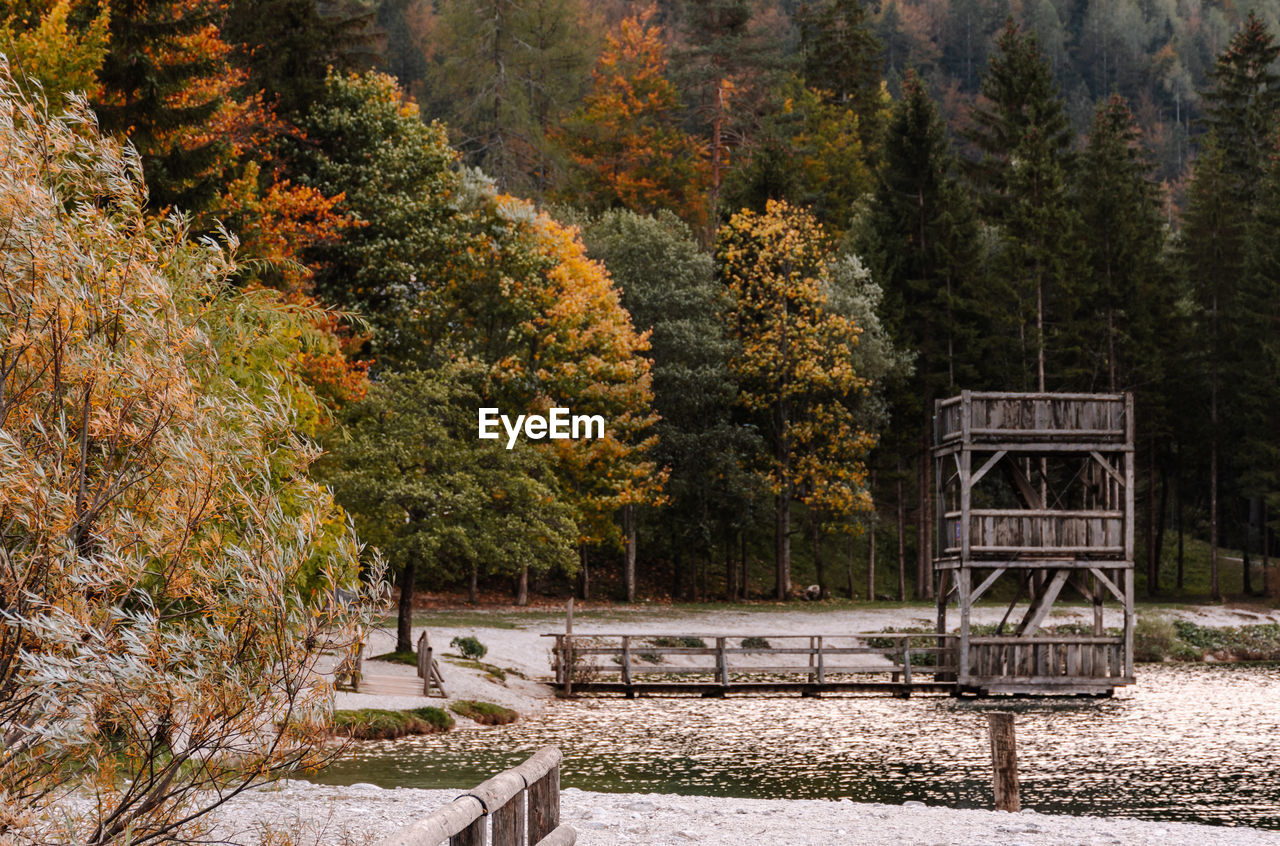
(759,237)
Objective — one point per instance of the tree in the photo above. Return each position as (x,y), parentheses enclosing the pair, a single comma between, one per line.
(794,363)
(170,567)
(394,173)
(1021,131)
(625,143)
(922,243)
(505,73)
(437,501)
(54,52)
(289,47)
(841,57)
(667,286)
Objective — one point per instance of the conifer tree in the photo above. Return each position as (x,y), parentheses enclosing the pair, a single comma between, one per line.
(921,245)
(841,56)
(1022,133)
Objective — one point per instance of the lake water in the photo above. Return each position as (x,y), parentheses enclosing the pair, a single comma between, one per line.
(1197,743)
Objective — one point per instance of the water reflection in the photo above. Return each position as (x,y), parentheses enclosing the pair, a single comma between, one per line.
(1198,743)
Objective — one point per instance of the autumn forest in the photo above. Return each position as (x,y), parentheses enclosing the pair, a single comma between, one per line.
(759,237)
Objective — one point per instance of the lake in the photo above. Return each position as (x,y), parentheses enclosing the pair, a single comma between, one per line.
(1195,743)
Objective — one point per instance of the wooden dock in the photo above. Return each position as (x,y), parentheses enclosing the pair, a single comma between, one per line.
(718,664)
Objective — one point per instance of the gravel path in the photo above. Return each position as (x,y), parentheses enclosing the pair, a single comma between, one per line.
(361,814)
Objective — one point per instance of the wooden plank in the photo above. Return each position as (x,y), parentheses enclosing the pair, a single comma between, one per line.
(1005,640)
(986,467)
(544,805)
(987,583)
(508,822)
(439,826)
(1042,604)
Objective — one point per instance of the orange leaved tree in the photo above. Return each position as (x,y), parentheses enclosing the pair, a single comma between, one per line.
(625,142)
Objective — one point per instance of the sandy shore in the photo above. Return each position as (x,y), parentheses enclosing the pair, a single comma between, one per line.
(361,814)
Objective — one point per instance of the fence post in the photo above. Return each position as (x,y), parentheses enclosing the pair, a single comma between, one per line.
(906,662)
(472,835)
(822,678)
(544,805)
(722,658)
(427,661)
(1004,762)
(508,822)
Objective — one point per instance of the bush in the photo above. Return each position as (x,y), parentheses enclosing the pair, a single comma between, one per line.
(484,713)
(755,643)
(689,642)
(470,647)
(1154,639)
(381,724)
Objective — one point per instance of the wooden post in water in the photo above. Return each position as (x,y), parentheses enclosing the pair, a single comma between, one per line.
(544,805)
(567,656)
(626,666)
(1004,762)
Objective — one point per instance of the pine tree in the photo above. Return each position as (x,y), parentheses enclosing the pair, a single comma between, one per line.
(921,243)
(841,56)
(1021,179)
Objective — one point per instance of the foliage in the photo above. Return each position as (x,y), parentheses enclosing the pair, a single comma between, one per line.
(795,365)
(381,724)
(625,143)
(469,647)
(170,565)
(60,56)
(755,643)
(484,713)
(686,642)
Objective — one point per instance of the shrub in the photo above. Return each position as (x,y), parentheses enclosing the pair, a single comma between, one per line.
(755,643)
(689,642)
(1154,639)
(484,713)
(470,647)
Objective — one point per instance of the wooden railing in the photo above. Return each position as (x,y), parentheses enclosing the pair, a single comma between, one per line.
(576,659)
(464,822)
(1047,660)
(1097,533)
(997,416)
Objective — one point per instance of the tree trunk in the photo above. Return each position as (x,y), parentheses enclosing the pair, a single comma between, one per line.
(522,587)
(677,564)
(1245,564)
(730,571)
(871,563)
(404,613)
(782,543)
(926,515)
(742,546)
(1162,515)
(1177,507)
(629,576)
(1267,581)
(815,538)
(1214,593)
(902,540)
(473,591)
(1153,573)
(585,575)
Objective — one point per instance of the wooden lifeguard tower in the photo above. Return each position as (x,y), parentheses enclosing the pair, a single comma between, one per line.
(1036,487)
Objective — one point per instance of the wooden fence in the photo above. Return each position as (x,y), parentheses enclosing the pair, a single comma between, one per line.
(502,799)
(588,663)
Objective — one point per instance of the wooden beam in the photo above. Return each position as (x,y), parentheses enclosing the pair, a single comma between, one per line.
(987,582)
(1043,603)
(1107,583)
(990,462)
(1106,465)
(1023,484)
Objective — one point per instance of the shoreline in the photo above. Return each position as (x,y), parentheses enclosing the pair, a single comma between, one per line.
(362,814)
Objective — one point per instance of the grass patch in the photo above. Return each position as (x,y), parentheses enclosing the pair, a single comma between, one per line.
(484,713)
(381,724)
(409,658)
(494,672)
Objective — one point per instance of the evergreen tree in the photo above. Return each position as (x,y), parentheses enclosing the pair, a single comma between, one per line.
(163,79)
(288,46)
(841,56)
(1022,133)
(922,245)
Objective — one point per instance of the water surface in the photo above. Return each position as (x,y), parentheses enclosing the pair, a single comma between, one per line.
(1196,743)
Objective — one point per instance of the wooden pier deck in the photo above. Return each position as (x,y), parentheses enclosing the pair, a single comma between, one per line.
(718,664)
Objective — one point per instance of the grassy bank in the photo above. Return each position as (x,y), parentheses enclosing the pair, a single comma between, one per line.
(380,724)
